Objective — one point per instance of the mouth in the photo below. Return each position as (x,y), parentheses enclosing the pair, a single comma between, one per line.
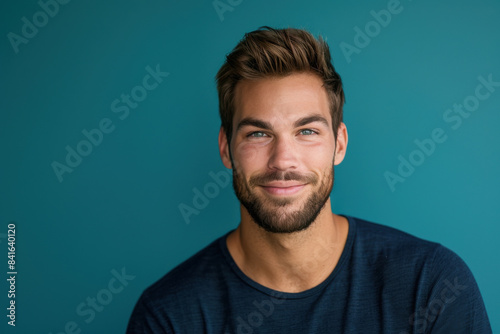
(283,188)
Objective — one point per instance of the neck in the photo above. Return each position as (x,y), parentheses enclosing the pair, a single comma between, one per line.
(291,262)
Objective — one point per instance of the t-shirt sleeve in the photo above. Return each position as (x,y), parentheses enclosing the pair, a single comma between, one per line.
(145,319)
(454,303)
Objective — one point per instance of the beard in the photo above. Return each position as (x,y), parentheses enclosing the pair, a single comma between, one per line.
(277,215)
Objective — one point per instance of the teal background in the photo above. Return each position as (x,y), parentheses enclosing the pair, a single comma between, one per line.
(119,207)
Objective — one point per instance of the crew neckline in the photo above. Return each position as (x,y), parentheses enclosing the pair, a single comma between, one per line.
(346,254)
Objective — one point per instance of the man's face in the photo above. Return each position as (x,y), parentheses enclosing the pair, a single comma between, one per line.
(282,150)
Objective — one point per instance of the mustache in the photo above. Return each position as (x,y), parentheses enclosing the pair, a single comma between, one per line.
(282,176)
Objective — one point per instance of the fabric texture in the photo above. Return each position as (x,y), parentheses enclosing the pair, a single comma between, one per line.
(386,281)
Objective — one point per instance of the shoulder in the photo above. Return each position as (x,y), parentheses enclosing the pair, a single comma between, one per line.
(177,294)
(433,277)
(191,274)
(392,249)
(376,237)
(198,275)
(378,232)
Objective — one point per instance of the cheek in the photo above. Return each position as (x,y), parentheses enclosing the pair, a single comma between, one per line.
(249,157)
(318,157)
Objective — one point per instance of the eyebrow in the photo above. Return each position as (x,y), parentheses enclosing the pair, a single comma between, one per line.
(310,119)
(250,121)
(253,122)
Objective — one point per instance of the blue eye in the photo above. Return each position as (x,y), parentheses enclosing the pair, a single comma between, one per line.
(257,134)
(307,132)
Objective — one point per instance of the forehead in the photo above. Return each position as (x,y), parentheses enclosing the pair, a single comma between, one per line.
(281,99)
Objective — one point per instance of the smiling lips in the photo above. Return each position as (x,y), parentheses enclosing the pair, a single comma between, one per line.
(279,188)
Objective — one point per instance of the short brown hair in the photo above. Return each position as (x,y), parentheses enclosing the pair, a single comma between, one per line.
(268,52)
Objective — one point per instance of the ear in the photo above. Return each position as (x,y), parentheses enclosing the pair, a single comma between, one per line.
(341,148)
(224,148)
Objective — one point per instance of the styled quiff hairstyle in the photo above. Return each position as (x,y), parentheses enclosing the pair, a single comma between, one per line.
(269,52)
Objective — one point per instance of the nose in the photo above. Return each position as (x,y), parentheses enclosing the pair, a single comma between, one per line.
(283,155)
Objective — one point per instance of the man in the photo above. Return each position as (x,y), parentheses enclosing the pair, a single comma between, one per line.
(292,266)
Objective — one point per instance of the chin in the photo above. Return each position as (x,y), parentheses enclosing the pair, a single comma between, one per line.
(284,220)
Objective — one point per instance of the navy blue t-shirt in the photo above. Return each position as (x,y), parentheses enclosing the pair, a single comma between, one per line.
(386,281)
